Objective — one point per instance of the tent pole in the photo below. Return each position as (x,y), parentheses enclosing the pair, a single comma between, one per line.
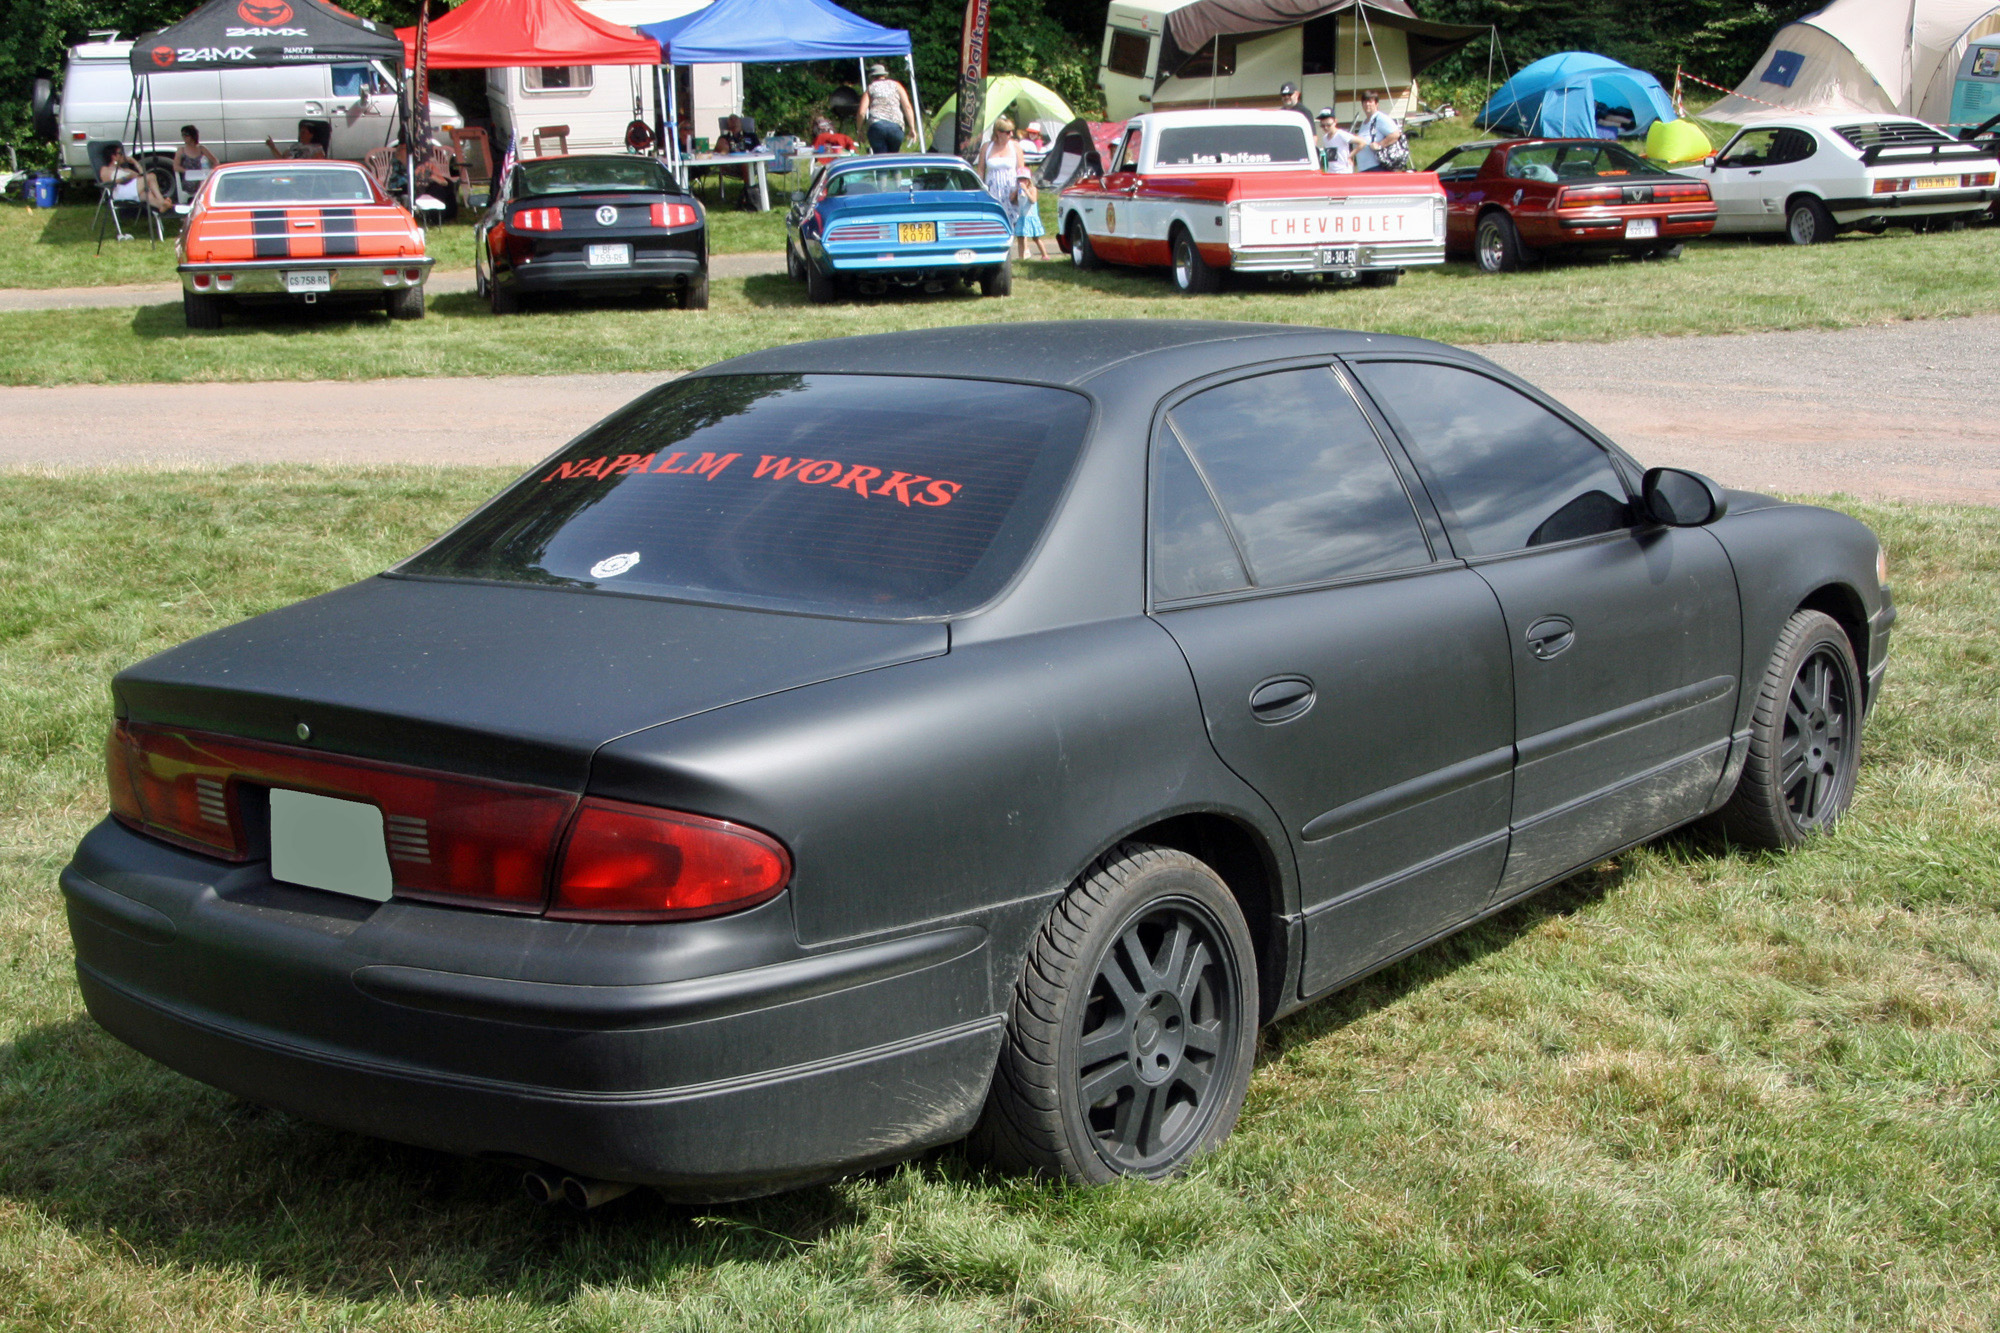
(1214,66)
(916,107)
(674,126)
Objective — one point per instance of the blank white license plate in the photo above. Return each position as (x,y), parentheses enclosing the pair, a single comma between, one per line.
(309,280)
(1343,257)
(1641,227)
(608,256)
(326,843)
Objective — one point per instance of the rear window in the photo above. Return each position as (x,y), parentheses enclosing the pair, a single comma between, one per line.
(1578,162)
(294,185)
(874,497)
(574,175)
(1234,146)
(1891,132)
(901,180)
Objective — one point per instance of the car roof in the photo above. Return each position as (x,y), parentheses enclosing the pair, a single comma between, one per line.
(1830,119)
(587,157)
(1063,352)
(847,164)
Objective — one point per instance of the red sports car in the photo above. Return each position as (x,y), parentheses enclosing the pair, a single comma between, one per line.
(1508,200)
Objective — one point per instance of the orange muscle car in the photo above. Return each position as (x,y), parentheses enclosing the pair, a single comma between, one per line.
(299,232)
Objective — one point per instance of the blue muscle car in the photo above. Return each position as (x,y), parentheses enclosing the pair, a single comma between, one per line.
(907,220)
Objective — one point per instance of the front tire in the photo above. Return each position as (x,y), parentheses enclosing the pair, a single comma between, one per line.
(1132,1028)
(1805,738)
(203,310)
(1497,244)
(1192,274)
(795,266)
(1807,222)
(1081,252)
(999,280)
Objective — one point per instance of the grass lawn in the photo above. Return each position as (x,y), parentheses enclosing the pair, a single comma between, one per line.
(1721,286)
(1693,1089)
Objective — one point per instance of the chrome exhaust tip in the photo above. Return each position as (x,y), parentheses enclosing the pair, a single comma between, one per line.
(584,1195)
(543,1189)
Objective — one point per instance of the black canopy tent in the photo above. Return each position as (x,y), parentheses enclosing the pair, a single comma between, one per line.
(256,34)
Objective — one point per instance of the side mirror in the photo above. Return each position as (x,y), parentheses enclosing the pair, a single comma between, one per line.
(1093,164)
(1709,161)
(1681,499)
(798,196)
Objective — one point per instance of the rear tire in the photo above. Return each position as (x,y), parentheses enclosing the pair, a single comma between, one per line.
(1805,738)
(407,303)
(998,281)
(694,296)
(819,286)
(1132,1026)
(203,311)
(1382,277)
(1192,274)
(1081,252)
(1496,244)
(1807,222)
(503,298)
(1672,250)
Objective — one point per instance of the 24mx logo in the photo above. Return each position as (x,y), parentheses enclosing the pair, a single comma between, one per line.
(195,55)
(264,32)
(264,13)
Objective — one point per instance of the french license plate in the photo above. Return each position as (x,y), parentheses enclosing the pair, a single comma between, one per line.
(326,843)
(608,256)
(1337,257)
(1639,228)
(309,280)
(916,233)
(1934,183)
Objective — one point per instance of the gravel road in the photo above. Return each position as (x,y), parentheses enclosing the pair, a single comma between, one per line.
(1901,411)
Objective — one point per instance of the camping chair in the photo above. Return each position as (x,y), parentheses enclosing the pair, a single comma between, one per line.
(560,133)
(381,164)
(115,210)
(475,154)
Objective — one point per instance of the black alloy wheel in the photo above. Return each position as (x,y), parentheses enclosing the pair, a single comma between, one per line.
(1081,253)
(1497,244)
(1193,275)
(1133,1026)
(1805,738)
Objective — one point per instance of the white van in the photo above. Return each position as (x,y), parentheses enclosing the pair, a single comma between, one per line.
(235,109)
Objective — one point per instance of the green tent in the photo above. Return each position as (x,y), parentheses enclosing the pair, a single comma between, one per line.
(1003,91)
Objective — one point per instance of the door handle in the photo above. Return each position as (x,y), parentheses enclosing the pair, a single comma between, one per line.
(1550,635)
(312,108)
(1281,699)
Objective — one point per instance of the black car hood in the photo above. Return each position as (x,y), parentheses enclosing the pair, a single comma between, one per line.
(517,683)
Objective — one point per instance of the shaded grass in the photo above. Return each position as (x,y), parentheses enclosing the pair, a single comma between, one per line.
(1693,1089)
(1721,286)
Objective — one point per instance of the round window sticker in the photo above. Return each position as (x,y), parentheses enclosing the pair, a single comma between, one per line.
(611,566)
(606,216)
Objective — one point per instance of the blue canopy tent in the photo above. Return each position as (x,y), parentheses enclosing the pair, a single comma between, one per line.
(767,31)
(1559,96)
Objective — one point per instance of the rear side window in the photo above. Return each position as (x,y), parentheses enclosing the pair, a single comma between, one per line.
(1506,473)
(875,497)
(1308,491)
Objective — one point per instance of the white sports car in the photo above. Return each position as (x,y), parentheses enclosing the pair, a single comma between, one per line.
(1813,176)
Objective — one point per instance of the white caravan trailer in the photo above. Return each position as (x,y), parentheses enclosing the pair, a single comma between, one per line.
(597,102)
(1165,55)
(235,109)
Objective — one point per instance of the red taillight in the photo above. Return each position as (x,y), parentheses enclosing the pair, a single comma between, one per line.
(1892,184)
(486,844)
(628,862)
(538,219)
(1589,196)
(1976,179)
(673,215)
(1689,190)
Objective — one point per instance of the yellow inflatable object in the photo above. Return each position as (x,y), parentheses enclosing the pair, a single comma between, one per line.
(1677,141)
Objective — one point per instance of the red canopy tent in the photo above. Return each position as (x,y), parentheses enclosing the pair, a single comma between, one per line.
(497,34)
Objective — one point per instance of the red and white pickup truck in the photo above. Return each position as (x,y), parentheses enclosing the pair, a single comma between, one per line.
(1201,192)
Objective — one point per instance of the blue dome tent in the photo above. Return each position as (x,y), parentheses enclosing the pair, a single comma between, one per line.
(1558,96)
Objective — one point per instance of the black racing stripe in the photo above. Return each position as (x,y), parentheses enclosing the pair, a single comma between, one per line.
(339,232)
(271,234)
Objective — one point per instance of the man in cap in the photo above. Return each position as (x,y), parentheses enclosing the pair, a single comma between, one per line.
(1288,100)
(885,112)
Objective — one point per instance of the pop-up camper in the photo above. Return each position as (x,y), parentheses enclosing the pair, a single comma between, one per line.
(1162,55)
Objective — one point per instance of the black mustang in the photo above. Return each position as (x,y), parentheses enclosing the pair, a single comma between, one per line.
(861,743)
(592,223)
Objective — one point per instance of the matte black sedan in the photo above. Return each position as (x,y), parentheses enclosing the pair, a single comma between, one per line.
(861,745)
(607,223)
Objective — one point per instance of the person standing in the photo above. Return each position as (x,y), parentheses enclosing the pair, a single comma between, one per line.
(1336,146)
(193,160)
(885,111)
(1001,163)
(1376,130)
(1289,100)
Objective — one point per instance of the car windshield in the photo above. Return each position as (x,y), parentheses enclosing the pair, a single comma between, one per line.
(865,496)
(1234,146)
(1578,162)
(576,175)
(900,180)
(294,185)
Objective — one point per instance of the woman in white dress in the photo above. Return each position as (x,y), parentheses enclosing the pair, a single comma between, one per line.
(1002,164)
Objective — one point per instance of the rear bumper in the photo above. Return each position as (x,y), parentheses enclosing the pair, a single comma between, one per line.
(1611,227)
(714,1059)
(567,273)
(953,259)
(266,277)
(1410,254)
(1911,204)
